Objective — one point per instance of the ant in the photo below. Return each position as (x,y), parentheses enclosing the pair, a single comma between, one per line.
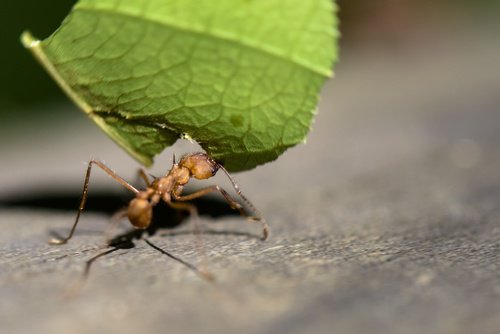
(169,189)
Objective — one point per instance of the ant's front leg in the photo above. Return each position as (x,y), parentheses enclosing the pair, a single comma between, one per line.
(57,241)
(232,203)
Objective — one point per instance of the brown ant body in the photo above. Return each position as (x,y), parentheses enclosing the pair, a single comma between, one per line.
(169,189)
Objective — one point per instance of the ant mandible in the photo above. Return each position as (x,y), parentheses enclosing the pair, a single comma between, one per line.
(169,189)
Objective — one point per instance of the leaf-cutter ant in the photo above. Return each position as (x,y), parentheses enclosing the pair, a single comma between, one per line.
(169,189)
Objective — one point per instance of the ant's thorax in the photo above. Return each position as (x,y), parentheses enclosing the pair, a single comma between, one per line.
(171,184)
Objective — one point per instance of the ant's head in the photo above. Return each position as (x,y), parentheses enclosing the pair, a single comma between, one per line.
(200,165)
(140,211)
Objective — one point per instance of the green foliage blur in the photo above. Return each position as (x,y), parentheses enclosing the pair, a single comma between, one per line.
(23,82)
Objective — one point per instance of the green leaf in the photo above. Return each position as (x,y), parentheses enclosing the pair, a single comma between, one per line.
(240,77)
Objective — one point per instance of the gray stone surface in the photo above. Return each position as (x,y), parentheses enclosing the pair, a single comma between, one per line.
(386,221)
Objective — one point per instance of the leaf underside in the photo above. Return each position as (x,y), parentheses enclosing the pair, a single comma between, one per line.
(240,77)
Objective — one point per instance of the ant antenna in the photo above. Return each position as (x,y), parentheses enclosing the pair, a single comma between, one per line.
(173,158)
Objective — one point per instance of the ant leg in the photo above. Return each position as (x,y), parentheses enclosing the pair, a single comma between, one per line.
(115,221)
(258,216)
(232,203)
(57,241)
(76,288)
(89,262)
(144,176)
(200,273)
(193,212)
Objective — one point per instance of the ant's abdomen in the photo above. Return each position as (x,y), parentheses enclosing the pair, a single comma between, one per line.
(140,213)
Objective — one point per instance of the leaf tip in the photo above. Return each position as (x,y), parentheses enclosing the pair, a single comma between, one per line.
(28,40)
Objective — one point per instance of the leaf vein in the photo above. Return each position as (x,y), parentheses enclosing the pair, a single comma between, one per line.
(173,25)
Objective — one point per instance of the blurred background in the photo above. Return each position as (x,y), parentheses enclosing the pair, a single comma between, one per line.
(389,226)
(386,25)
(400,44)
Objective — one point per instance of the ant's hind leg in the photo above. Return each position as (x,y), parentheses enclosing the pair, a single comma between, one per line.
(195,269)
(77,287)
(57,241)
(193,212)
(232,203)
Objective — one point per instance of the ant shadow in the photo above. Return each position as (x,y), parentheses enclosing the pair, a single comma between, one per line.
(164,218)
